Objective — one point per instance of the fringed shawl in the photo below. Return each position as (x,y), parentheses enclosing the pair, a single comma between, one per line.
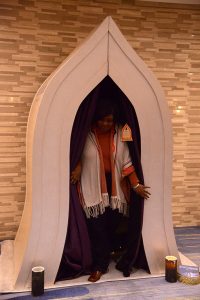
(94,198)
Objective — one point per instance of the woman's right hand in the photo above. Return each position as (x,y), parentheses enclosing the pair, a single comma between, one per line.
(76,174)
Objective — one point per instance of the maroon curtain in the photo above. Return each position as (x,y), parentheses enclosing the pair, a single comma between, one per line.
(76,259)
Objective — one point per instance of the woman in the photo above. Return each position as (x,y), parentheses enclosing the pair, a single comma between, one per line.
(102,176)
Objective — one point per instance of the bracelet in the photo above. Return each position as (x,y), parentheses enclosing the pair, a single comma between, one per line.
(136,186)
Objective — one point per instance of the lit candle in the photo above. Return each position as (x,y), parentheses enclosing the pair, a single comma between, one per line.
(171,268)
(37,281)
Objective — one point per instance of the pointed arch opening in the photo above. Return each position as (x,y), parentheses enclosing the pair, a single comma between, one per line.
(74,263)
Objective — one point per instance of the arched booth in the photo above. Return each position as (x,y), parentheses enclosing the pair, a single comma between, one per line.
(105,55)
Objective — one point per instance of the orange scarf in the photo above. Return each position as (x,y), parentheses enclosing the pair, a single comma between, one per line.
(112,163)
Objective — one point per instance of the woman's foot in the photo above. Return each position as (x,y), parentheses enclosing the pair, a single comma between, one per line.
(95,276)
(123,266)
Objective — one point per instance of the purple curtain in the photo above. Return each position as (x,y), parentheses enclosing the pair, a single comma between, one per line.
(76,259)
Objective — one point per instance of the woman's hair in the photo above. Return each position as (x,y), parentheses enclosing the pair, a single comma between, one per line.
(105,106)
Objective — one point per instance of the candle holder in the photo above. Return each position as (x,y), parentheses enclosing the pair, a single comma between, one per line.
(37,281)
(171,268)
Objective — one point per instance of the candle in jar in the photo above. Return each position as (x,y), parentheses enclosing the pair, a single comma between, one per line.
(37,281)
(171,268)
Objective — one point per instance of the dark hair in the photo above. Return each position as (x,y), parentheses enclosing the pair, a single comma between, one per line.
(105,106)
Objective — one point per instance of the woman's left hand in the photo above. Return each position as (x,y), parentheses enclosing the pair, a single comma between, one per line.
(141,190)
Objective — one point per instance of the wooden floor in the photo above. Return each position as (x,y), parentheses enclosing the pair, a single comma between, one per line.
(188,241)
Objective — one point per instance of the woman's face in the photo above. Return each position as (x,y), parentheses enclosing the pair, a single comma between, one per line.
(106,123)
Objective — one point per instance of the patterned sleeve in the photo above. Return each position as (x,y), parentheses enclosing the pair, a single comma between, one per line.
(128,168)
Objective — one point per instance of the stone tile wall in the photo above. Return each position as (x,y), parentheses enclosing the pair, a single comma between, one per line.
(36,36)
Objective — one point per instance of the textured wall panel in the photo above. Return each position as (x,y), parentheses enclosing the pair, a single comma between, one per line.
(36,36)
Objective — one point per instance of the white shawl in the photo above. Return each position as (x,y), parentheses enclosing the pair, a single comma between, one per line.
(93,201)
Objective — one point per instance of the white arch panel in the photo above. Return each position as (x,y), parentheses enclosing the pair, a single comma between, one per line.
(41,235)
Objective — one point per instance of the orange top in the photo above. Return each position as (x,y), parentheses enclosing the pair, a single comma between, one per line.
(104,142)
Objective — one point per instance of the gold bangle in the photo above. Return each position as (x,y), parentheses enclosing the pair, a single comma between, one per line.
(136,186)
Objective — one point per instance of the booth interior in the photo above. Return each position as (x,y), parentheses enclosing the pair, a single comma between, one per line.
(76,259)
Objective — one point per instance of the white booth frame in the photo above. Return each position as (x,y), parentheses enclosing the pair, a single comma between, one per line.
(42,231)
